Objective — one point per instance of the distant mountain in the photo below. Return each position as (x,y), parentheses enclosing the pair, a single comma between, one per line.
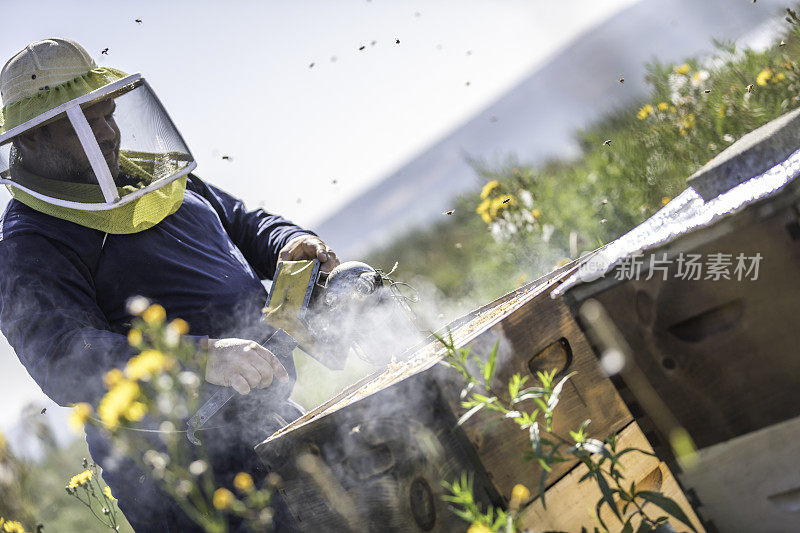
(538,118)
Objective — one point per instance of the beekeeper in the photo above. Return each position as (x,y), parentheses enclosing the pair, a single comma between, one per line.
(105,207)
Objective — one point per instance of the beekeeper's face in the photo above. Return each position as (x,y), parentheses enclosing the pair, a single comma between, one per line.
(54,150)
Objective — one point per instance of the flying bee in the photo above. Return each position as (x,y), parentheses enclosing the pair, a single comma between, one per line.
(227,158)
(604,201)
(334,182)
(707,91)
(449,212)
(104,51)
(506,200)
(138,21)
(311,65)
(603,221)
(362,47)
(622,80)
(397,41)
(783,43)
(44,410)
(750,88)
(467,84)
(607,142)
(373,43)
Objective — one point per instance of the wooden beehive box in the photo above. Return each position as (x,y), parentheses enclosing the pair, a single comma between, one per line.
(721,354)
(374,457)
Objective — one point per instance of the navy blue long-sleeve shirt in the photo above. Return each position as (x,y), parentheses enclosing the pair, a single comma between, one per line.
(64,287)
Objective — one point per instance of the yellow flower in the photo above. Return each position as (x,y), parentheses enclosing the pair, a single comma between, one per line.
(663,106)
(145,365)
(763,77)
(686,124)
(488,188)
(644,112)
(116,402)
(223,498)
(477,527)
(665,200)
(683,69)
(78,480)
(483,210)
(243,482)
(134,337)
(11,526)
(136,411)
(180,325)
(79,415)
(721,110)
(521,493)
(155,314)
(780,76)
(113,377)
(536,214)
(107,492)
(500,203)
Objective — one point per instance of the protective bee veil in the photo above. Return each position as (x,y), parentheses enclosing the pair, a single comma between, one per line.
(92,145)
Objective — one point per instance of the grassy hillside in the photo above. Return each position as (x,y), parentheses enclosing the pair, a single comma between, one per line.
(632,162)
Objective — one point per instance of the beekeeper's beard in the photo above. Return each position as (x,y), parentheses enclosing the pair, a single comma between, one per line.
(60,163)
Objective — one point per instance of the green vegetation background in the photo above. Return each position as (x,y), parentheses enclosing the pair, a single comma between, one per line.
(527,219)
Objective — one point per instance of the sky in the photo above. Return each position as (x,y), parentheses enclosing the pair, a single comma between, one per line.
(306,118)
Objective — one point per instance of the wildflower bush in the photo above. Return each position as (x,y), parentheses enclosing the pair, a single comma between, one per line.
(87,489)
(528,217)
(532,409)
(154,394)
(31,486)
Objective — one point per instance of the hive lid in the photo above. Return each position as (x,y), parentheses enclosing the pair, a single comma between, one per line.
(750,156)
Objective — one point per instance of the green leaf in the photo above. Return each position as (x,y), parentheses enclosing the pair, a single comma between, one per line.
(628,527)
(540,403)
(667,504)
(546,377)
(608,494)
(488,370)
(515,384)
(597,513)
(542,487)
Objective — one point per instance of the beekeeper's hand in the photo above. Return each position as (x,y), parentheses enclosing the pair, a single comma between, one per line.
(309,247)
(242,364)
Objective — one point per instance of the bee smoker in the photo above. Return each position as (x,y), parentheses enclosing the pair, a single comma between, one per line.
(356,307)
(362,309)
